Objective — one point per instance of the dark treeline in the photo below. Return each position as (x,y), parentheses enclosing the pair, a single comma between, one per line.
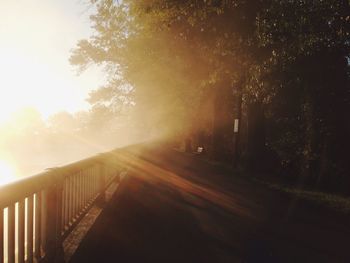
(189,69)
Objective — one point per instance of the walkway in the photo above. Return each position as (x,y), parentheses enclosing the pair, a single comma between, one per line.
(174,207)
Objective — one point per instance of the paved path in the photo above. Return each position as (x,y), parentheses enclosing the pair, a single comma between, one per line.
(174,207)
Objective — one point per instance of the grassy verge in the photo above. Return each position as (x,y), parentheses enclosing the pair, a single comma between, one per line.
(332,201)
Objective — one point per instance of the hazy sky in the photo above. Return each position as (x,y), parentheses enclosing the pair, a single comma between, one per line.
(36,37)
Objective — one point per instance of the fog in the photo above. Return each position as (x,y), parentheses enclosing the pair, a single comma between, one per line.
(29,144)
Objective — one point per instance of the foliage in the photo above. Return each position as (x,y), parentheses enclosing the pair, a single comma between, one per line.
(191,67)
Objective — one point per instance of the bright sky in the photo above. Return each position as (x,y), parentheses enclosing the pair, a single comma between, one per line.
(36,37)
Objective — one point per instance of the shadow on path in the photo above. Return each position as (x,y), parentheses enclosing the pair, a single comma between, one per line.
(176,208)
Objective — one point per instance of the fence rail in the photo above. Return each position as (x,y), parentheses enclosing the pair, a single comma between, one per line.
(38,212)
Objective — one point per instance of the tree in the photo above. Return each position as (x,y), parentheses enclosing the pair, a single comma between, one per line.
(159,42)
(309,80)
(192,67)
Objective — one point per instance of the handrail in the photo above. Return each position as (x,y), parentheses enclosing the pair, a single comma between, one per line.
(45,208)
(24,187)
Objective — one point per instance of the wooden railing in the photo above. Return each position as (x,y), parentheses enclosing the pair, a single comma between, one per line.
(38,212)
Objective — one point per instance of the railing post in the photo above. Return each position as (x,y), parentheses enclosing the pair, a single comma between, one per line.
(102,180)
(54,248)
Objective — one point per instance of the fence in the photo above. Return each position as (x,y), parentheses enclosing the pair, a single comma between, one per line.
(39,212)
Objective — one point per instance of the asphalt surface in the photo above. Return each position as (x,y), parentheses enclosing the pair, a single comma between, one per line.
(175,207)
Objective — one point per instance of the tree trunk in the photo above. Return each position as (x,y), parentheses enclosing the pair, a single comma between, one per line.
(256,135)
(222,123)
(188,145)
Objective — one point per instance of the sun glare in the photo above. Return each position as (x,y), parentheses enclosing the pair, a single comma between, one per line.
(7,173)
(28,82)
(36,38)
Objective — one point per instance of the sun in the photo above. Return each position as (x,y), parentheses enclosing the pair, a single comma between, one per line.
(7,173)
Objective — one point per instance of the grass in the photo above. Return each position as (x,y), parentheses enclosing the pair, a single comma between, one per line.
(332,201)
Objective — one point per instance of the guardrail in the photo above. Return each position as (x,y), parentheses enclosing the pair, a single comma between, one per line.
(38,212)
